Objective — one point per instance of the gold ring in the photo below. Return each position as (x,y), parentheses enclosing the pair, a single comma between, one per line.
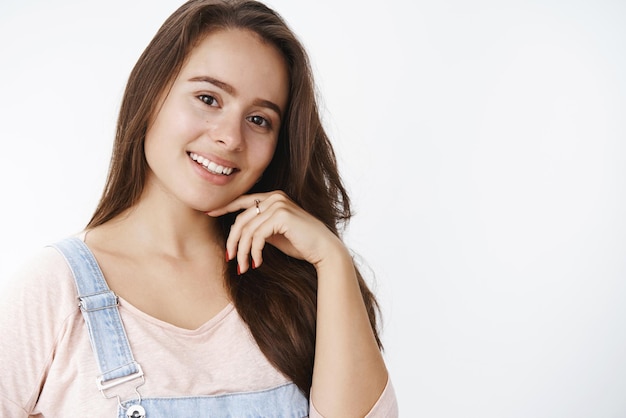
(256,204)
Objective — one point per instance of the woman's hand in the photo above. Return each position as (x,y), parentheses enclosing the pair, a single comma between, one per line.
(349,373)
(275,219)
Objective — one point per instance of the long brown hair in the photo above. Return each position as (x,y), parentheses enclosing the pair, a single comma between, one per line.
(277,300)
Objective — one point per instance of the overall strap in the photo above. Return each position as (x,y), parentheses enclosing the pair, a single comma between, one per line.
(99,306)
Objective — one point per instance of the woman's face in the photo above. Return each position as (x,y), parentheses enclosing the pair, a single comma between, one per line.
(215,131)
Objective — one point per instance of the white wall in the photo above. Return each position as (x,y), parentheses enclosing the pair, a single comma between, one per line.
(483,143)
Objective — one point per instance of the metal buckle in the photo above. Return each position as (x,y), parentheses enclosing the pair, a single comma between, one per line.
(105,386)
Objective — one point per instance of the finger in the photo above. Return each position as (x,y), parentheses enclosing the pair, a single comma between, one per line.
(242,202)
(263,229)
(248,236)
(241,220)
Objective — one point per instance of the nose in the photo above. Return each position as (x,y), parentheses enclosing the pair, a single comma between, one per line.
(227,131)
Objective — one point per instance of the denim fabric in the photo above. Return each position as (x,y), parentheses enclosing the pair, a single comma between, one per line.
(282,402)
(115,359)
(99,307)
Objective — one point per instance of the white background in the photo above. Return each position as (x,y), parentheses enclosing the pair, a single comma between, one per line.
(482,142)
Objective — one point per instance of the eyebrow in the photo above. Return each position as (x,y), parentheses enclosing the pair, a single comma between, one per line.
(231,90)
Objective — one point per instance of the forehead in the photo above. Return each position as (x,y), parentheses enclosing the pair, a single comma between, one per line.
(241,59)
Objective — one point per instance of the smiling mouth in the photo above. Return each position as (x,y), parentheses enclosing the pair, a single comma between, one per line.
(210,166)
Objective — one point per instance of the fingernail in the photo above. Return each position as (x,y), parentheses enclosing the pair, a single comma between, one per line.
(238,270)
(227,257)
(253,264)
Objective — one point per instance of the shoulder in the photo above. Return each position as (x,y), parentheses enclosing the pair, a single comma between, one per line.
(44,278)
(46,262)
(36,304)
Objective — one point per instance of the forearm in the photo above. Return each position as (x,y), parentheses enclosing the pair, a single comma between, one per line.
(349,373)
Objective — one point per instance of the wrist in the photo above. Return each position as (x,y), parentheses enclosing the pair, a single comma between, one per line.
(336,255)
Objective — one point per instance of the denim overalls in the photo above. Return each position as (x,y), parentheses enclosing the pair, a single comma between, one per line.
(118,366)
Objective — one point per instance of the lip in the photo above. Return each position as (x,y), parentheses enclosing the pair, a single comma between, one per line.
(213,164)
(215,159)
(210,175)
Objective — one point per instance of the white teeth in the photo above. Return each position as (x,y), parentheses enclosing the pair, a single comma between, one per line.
(211,166)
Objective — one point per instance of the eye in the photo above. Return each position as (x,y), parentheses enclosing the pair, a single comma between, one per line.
(208,100)
(259,120)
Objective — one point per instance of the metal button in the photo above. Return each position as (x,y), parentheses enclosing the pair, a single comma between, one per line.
(136,411)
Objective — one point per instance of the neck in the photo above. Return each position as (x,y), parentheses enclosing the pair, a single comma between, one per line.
(166,226)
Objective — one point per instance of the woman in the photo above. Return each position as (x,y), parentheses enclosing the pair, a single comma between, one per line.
(212,280)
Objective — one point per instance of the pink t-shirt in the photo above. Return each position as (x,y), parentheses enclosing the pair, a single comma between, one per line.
(49,369)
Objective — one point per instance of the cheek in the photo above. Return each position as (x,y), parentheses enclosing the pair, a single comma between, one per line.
(154,140)
(175,119)
(151,152)
(265,152)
